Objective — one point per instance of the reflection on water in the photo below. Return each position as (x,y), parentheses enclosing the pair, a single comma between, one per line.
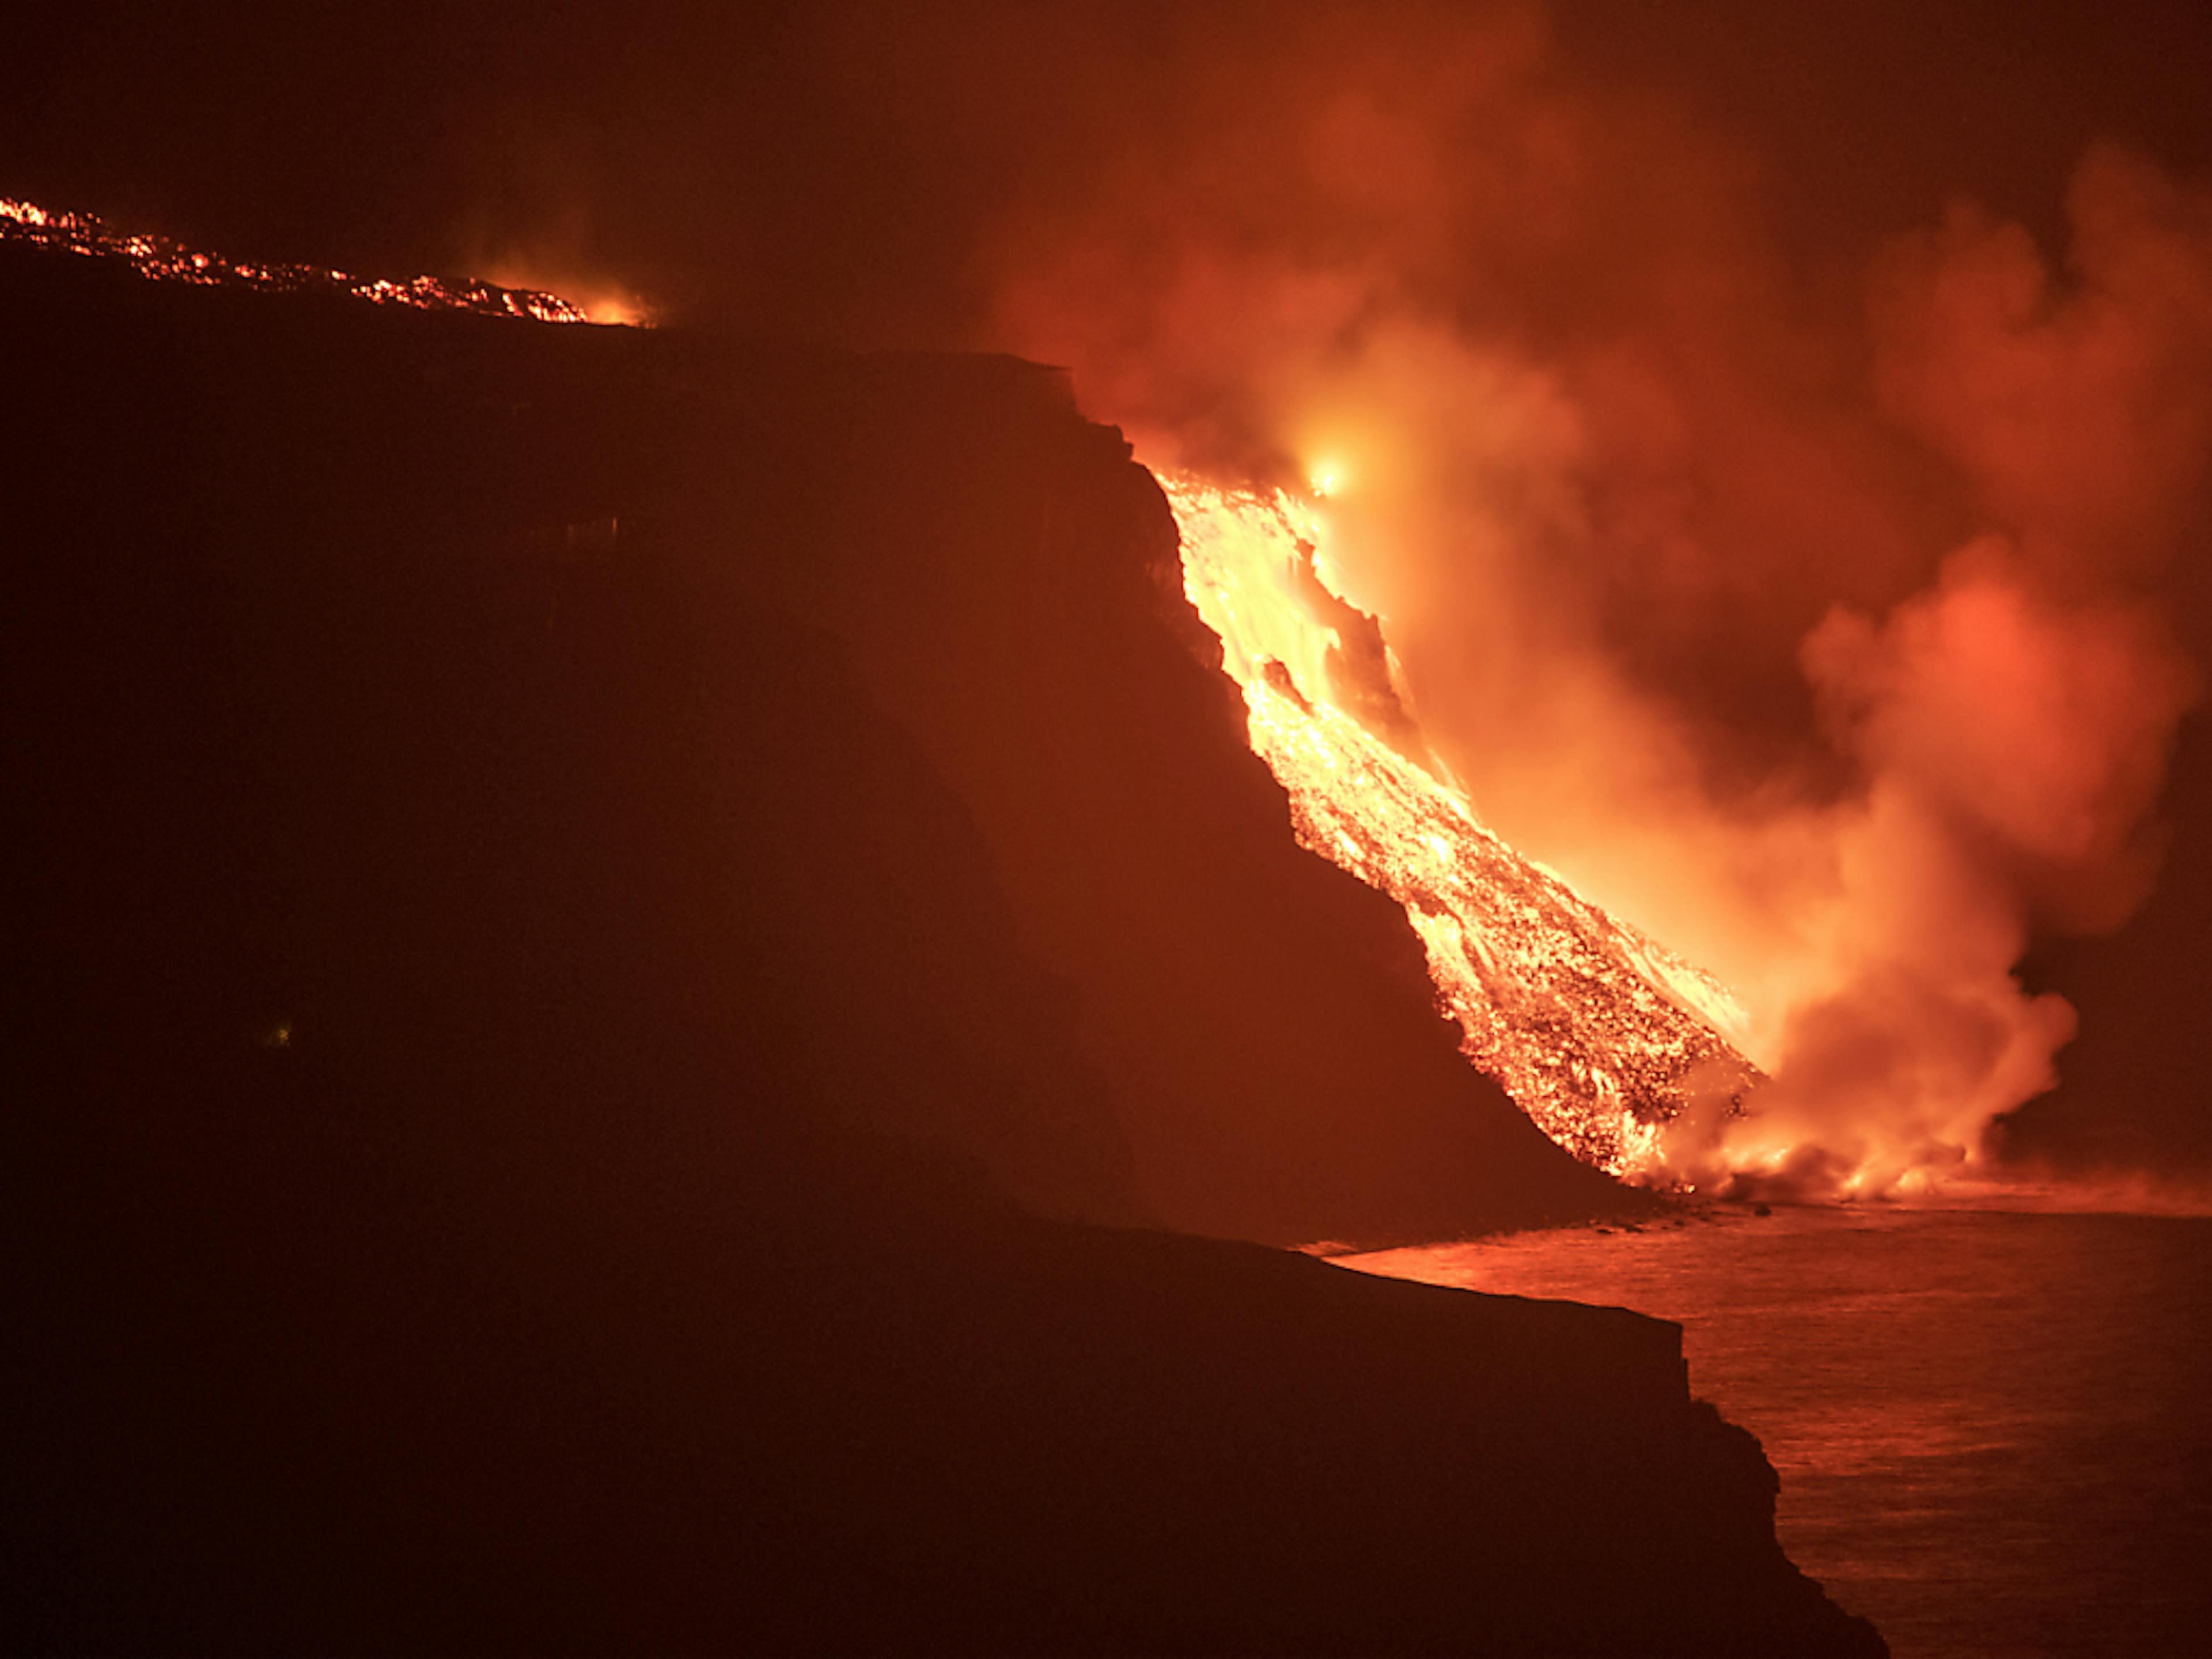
(1993,1431)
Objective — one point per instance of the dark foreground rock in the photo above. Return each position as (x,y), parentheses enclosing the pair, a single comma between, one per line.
(565,878)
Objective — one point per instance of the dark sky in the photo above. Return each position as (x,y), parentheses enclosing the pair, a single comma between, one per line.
(826,168)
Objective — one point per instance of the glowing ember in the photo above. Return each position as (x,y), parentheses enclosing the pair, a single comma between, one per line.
(159,260)
(1601,1036)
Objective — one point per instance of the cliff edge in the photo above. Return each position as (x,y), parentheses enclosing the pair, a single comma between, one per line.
(614,951)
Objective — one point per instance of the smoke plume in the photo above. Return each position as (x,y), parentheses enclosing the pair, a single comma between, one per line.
(1819,627)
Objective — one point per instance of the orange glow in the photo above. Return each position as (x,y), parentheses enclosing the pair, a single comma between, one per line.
(616,310)
(595,299)
(1600,1034)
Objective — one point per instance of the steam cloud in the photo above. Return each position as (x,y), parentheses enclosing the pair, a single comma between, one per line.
(1821,629)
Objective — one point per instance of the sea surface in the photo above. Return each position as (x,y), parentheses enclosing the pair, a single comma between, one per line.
(1994,1429)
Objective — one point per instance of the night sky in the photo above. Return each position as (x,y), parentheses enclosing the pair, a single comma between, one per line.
(829,168)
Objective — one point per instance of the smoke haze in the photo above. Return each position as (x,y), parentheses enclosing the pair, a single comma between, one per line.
(1777,449)
(1823,640)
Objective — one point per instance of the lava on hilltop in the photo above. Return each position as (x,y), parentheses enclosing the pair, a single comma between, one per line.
(159,260)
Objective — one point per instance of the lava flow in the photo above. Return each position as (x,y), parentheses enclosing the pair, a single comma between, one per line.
(159,260)
(1601,1036)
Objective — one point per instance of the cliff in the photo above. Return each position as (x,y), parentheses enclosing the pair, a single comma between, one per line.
(606,922)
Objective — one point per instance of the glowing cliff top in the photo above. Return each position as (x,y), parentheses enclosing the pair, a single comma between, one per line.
(159,260)
(1600,1034)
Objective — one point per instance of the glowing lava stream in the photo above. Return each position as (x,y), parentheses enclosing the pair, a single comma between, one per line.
(159,260)
(1600,1034)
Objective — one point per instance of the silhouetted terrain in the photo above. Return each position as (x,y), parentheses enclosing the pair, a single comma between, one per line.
(604,921)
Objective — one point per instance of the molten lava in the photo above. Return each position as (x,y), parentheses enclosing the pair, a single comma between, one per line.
(1600,1034)
(159,260)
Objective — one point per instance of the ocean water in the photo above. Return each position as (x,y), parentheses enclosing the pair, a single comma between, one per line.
(1994,1430)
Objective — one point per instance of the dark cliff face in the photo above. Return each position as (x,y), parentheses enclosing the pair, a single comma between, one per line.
(1009,587)
(564,879)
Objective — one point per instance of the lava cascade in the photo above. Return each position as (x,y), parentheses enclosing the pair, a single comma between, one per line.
(1603,1036)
